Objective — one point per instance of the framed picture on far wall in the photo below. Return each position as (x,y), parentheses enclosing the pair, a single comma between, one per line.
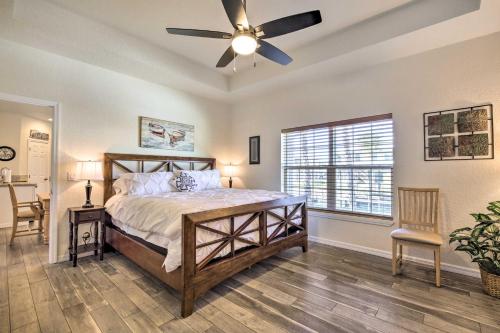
(254,150)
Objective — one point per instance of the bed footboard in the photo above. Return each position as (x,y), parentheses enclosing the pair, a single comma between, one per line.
(280,224)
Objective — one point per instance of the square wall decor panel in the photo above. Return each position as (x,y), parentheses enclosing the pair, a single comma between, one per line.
(459,134)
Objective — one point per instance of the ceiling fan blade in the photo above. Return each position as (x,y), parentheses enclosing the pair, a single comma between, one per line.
(227,57)
(199,33)
(288,24)
(236,13)
(273,53)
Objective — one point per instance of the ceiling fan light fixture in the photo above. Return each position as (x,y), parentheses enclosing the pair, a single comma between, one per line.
(244,43)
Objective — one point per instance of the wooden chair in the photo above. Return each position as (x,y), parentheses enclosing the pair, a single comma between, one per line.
(20,213)
(418,225)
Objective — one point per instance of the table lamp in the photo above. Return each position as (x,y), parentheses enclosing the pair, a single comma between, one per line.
(229,171)
(88,170)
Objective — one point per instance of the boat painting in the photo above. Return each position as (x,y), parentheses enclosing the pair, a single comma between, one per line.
(163,134)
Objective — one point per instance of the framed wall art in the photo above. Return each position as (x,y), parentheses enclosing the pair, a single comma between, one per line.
(459,134)
(38,135)
(254,150)
(163,134)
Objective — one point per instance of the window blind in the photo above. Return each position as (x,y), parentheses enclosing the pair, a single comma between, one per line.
(343,166)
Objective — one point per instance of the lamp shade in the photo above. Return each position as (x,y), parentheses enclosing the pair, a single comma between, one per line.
(88,170)
(229,170)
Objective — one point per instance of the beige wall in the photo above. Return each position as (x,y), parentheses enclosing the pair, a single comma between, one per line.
(455,76)
(15,129)
(99,113)
(9,136)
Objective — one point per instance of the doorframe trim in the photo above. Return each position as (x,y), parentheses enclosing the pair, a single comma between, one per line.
(54,165)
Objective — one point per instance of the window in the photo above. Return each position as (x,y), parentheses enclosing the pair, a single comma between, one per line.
(344,166)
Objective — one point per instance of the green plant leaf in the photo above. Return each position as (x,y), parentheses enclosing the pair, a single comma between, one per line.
(460,230)
(480,217)
(459,238)
(494,209)
(492,228)
(487,264)
(476,232)
(495,204)
(466,248)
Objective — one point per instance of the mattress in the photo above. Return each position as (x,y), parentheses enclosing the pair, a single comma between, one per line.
(157,219)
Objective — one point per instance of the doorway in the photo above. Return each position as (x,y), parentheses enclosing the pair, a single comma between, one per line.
(29,127)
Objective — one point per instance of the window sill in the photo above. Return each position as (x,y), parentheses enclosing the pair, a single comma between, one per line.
(349,217)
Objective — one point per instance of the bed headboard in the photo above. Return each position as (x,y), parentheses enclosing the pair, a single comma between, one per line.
(118,164)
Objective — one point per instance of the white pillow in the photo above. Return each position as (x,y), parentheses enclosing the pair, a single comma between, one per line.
(144,183)
(122,184)
(195,181)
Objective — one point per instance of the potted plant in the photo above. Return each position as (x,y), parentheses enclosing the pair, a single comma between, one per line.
(482,243)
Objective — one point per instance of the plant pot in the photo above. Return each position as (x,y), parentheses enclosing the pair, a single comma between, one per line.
(491,283)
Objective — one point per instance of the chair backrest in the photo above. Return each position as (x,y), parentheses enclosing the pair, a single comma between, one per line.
(418,208)
(13,200)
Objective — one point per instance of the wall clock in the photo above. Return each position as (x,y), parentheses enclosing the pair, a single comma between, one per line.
(7,153)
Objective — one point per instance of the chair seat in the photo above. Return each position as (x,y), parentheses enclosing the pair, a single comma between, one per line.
(426,237)
(26,214)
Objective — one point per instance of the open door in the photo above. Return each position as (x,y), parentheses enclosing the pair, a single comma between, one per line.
(39,165)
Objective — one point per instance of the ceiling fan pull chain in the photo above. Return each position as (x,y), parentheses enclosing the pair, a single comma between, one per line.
(234,61)
(254,62)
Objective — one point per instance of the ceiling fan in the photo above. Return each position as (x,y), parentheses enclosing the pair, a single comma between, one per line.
(246,39)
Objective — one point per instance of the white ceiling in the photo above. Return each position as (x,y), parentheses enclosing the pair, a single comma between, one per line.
(147,20)
(42,113)
(129,37)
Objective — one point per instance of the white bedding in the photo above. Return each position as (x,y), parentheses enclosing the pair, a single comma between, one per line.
(157,218)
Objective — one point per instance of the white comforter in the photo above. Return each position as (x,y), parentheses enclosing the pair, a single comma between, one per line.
(157,218)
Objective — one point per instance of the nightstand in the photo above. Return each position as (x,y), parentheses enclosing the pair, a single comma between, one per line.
(79,215)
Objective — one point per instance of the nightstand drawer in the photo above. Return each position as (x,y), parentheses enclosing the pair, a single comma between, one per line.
(87,216)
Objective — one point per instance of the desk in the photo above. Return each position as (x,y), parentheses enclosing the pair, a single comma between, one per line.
(44,199)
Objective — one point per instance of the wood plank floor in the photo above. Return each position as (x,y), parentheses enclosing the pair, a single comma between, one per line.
(325,290)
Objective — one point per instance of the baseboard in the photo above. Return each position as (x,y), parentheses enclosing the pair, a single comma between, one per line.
(386,254)
(380,253)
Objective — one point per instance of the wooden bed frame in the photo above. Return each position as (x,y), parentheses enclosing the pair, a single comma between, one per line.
(193,279)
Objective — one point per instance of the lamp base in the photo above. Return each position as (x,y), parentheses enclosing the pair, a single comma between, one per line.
(88,192)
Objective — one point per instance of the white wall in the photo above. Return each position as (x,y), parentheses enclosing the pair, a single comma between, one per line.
(99,113)
(9,136)
(100,110)
(456,76)
(15,129)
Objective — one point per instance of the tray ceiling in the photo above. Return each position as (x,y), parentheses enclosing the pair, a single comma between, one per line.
(147,20)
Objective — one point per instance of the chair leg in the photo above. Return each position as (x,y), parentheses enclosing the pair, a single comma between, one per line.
(437,264)
(400,257)
(14,231)
(39,217)
(394,257)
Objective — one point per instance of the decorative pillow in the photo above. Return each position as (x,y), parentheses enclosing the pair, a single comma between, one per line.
(195,181)
(144,183)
